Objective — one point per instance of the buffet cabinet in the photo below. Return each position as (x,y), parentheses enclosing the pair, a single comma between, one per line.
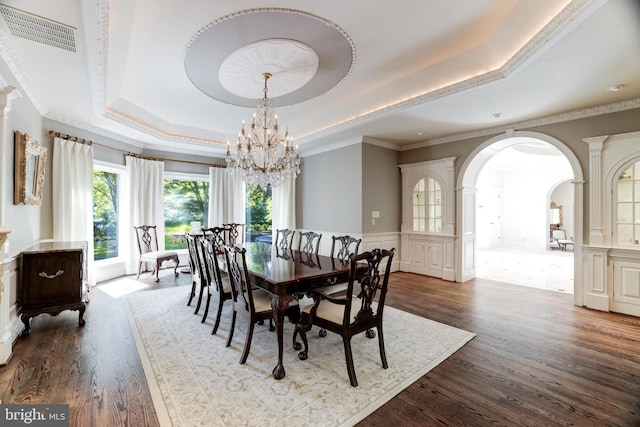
(52,279)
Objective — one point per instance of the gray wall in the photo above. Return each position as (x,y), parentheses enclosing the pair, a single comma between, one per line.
(571,133)
(329,191)
(28,222)
(381,189)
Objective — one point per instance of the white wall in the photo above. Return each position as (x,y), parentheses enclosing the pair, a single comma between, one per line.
(562,195)
(525,182)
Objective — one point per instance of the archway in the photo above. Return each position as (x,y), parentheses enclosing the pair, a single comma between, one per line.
(467,196)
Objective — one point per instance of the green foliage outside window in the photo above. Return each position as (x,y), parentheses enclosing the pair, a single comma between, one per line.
(259,209)
(105,214)
(184,201)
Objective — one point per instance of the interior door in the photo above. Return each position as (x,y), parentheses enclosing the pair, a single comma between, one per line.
(488,216)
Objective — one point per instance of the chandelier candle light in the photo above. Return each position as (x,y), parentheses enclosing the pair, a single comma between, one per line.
(262,156)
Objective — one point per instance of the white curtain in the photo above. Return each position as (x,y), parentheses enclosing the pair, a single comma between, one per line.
(283,200)
(226,198)
(144,205)
(72,168)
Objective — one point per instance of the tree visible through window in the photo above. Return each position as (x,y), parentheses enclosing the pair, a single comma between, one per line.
(628,205)
(258,215)
(184,201)
(105,214)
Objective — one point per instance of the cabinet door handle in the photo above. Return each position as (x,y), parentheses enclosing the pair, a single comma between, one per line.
(51,276)
(332,280)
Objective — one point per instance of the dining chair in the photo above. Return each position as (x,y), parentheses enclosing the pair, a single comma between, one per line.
(235,233)
(147,239)
(353,313)
(309,242)
(252,304)
(343,246)
(194,265)
(284,239)
(218,282)
(341,249)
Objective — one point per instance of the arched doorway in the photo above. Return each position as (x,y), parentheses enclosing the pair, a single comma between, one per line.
(514,192)
(467,200)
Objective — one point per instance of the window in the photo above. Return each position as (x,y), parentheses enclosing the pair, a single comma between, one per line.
(185,200)
(628,205)
(258,216)
(106,184)
(427,206)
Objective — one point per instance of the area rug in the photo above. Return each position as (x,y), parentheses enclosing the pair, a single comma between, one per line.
(196,381)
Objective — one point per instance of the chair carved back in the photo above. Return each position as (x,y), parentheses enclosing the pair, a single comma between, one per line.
(218,236)
(211,265)
(192,246)
(239,276)
(235,233)
(309,242)
(284,239)
(147,238)
(370,284)
(346,245)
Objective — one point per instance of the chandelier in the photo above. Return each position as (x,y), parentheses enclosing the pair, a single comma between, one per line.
(262,155)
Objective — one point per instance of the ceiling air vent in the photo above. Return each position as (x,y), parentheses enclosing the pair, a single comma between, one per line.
(38,29)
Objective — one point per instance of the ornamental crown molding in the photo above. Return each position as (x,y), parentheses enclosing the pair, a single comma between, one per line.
(8,54)
(542,121)
(575,12)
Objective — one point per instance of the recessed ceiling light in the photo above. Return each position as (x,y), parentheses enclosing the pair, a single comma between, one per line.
(496,115)
(615,88)
(420,133)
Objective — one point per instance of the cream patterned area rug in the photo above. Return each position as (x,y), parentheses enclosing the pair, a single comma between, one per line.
(196,381)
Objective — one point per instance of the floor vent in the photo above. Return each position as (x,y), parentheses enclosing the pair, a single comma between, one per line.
(38,29)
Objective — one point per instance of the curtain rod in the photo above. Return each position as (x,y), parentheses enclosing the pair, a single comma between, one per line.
(128,153)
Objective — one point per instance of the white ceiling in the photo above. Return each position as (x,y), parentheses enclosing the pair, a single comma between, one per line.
(424,71)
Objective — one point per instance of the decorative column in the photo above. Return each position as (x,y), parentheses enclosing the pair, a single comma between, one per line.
(6,337)
(596,206)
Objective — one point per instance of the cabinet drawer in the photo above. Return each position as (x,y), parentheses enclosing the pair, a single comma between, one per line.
(51,279)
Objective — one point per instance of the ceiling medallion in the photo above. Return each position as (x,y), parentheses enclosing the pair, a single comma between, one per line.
(280,38)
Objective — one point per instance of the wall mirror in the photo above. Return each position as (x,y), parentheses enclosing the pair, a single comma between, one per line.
(29,170)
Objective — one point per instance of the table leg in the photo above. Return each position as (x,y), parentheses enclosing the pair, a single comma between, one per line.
(280,304)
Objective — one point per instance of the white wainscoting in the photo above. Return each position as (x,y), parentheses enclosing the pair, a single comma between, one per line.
(10,324)
(428,254)
(612,279)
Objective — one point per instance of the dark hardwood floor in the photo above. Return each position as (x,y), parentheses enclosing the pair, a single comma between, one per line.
(537,360)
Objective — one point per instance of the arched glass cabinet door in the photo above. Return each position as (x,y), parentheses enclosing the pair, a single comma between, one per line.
(427,205)
(628,205)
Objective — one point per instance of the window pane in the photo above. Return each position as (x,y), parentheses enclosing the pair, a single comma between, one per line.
(105,215)
(184,201)
(626,174)
(258,215)
(625,193)
(625,213)
(625,234)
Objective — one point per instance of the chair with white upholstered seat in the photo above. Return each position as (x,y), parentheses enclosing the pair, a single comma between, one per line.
(147,238)
(353,313)
(252,304)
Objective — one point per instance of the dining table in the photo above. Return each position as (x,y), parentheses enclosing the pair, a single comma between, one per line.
(287,273)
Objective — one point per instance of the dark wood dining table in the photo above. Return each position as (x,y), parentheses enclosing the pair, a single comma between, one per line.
(285,273)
